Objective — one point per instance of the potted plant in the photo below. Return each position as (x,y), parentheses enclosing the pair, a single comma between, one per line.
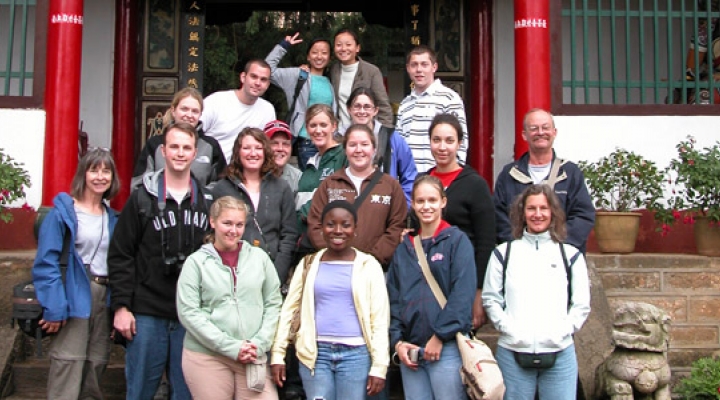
(619,183)
(13,180)
(695,181)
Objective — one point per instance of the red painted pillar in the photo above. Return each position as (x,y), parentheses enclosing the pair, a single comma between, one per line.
(62,96)
(532,62)
(482,93)
(123,134)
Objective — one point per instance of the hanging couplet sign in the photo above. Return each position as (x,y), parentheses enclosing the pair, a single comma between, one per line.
(532,62)
(192,38)
(417,27)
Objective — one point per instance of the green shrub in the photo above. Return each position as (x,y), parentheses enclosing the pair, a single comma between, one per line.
(703,382)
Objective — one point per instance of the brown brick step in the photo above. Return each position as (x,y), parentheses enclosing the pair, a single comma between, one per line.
(29,379)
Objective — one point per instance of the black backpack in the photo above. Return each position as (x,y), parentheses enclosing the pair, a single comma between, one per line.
(26,309)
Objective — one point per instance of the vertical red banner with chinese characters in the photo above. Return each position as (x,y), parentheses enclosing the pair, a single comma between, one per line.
(62,96)
(532,62)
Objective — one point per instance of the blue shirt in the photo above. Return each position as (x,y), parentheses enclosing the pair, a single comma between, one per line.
(335,313)
(321,92)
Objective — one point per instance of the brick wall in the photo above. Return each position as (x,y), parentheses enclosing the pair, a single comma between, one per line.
(685,286)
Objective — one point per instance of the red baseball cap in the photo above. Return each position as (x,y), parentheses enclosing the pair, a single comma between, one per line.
(277,126)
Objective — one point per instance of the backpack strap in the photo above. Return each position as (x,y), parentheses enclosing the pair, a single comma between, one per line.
(364,194)
(505,265)
(302,77)
(568,274)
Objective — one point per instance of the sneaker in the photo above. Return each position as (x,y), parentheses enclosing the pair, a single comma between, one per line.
(689,74)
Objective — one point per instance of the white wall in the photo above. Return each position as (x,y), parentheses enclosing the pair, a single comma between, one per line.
(97,71)
(654,137)
(504,37)
(23,138)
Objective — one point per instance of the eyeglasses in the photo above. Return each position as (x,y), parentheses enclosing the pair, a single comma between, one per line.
(366,107)
(536,128)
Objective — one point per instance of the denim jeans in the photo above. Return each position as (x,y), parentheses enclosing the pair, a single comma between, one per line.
(156,348)
(556,383)
(435,380)
(306,149)
(341,373)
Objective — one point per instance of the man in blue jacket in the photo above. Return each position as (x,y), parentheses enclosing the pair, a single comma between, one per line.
(541,165)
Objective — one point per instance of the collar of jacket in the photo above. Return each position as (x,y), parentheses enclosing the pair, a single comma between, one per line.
(520,169)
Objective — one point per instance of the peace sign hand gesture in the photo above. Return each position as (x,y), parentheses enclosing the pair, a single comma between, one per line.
(293,40)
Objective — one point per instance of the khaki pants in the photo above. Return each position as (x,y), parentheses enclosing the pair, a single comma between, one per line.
(80,351)
(220,378)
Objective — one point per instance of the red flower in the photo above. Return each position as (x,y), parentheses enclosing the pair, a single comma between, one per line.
(665,229)
(27,207)
(691,162)
(676,215)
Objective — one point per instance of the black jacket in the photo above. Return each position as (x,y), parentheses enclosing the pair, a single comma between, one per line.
(142,272)
(273,224)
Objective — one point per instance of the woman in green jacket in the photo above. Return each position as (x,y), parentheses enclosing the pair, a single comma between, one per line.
(228,300)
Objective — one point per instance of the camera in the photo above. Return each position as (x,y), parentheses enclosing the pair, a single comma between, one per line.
(415,354)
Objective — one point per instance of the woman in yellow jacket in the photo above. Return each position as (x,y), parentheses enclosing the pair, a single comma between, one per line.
(342,341)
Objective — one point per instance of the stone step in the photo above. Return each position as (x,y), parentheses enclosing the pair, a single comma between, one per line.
(29,379)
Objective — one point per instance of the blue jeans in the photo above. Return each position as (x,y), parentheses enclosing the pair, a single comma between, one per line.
(435,380)
(306,149)
(156,348)
(556,383)
(341,373)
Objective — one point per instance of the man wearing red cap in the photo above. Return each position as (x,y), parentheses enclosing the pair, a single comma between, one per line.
(281,143)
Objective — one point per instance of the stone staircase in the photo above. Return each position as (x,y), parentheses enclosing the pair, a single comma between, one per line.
(25,375)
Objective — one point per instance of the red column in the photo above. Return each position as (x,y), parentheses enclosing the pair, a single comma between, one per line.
(62,96)
(482,99)
(532,62)
(123,134)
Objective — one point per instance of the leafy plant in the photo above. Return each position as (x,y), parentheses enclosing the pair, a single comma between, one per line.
(703,382)
(696,183)
(13,180)
(623,181)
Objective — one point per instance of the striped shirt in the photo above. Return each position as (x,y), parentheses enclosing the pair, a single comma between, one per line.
(415,113)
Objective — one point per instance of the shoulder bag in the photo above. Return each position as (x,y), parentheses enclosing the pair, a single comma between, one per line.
(479,372)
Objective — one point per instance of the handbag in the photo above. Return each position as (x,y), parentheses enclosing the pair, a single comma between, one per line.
(256,372)
(295,320)
(479,372)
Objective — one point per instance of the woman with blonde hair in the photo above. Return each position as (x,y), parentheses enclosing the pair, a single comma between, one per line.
(228,300)
(75,301)
(254,178)
(322,128)
(209,163)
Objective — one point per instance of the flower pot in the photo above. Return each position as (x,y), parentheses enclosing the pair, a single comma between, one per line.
(616,232)
(707,237)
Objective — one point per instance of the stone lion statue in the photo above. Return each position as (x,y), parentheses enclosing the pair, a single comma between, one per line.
(637,368)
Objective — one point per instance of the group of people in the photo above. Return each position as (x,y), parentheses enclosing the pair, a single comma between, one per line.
(233,273)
